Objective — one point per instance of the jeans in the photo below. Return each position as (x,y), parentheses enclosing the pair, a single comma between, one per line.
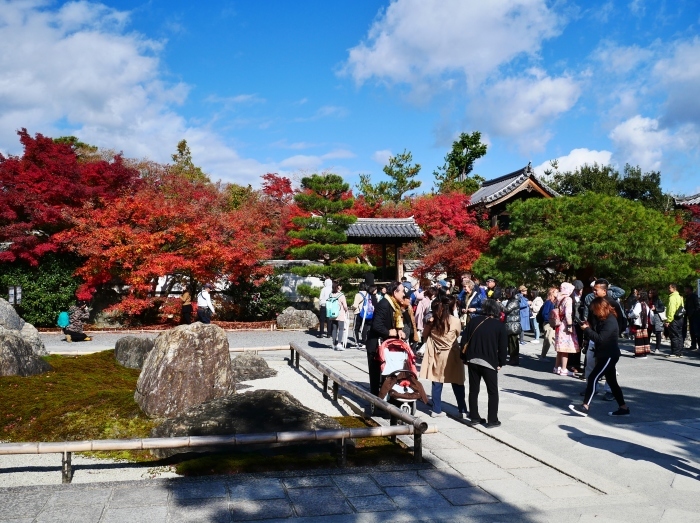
(536,328)
(459,392)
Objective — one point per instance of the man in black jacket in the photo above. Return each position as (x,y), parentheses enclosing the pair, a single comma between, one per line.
(384,326)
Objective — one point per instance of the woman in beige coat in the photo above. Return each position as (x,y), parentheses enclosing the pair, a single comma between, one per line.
(441,363)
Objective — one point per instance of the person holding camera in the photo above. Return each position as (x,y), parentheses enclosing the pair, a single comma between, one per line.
(77,314)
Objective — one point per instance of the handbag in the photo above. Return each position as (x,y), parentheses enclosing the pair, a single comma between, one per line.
(662,316)
(680,313)
(463,352)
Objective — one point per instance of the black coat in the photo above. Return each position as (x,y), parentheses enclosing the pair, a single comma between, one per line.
(487,339)
(382,323)
(605,335)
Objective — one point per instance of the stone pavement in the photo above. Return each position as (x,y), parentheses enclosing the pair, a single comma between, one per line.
(543,464)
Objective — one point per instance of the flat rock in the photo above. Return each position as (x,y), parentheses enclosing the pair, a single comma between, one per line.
(31,335)
(17,358)
(188,365)
(292,318)
(249,366)
(9,317)
(256,412)
(131,351)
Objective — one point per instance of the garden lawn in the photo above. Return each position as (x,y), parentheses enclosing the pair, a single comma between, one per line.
(82,398)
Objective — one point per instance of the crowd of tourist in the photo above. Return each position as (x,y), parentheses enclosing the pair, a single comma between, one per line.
(481,325)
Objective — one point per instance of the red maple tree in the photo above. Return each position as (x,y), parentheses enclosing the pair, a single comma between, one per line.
(691,230)
(38,188)
(171,226)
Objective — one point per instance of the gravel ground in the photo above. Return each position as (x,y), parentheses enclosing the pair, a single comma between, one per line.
(45,469)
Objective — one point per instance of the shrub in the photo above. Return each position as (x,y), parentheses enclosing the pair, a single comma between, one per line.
(256,301)
(47,289)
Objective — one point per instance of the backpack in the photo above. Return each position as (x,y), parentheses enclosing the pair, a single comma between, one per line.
(63,320)
(333,306)
(680,313)
(366,309)
(554,319)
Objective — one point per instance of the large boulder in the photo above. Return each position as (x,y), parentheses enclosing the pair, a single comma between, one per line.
(256,412)
(9,317)
(249,366)
(17,358)
(131,351)
(188,365)
(31,335)
(292,318)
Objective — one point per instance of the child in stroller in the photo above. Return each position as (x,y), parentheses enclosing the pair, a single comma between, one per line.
(400,375)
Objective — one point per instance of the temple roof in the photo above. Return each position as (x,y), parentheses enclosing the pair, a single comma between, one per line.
(687,201)
(492,191)
(389,228)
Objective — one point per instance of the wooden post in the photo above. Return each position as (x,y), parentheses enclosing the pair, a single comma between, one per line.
(383,261)
(392,422)
(66,469)
(417,447)
(399,262)
(291,356)
(335,391)
(296,362)
(325,383)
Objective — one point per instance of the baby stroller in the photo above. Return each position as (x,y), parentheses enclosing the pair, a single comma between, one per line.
(400,375)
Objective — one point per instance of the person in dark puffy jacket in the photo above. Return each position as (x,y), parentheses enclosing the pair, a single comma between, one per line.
(511,308)
(657,323)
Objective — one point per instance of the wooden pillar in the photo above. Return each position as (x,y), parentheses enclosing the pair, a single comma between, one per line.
(399,262)
(384,261)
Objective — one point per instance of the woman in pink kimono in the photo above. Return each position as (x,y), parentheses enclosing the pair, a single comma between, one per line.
(565,339)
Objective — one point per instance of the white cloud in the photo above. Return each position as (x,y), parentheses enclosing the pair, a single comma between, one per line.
(231,101)
(382,157)
(521,107)
(414,41)
(679,74)
(620,59)
(284,144)
(306,162)
(643,141)
(576,158)
(78,70)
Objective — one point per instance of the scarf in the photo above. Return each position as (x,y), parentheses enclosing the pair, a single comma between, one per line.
(398,315)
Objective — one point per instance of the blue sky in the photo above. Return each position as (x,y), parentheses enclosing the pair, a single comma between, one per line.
(307,86)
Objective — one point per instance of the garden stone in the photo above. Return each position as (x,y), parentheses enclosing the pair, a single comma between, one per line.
(255,412)
(9,317)
(17,358)
(131,351)
(249,366)
(292,318)
(31,336)
(188,365)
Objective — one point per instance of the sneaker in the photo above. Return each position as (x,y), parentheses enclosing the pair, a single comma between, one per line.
(620,412)
(437,414)
(493,424)
(339,346)
(463,415)
(608,396)
(556,370)
(476,421)
(579,410)
(535,341)
(564,372)
(640,357)
(88,338)
(672,356)
(68,338)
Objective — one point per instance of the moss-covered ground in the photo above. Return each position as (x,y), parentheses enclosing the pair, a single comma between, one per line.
(92,397)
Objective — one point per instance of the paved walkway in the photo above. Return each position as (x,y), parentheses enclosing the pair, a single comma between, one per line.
(543,464)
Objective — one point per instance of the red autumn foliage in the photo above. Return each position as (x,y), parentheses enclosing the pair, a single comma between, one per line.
(170,226)
(453,239)
(691,230)
(38,188)
(278,204)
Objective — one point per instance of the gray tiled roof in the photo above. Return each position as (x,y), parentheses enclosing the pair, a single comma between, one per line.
(690,200)
(492,190)
(384,228)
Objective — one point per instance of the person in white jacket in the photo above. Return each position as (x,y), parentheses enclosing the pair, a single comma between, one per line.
(205,308)
(323,320)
